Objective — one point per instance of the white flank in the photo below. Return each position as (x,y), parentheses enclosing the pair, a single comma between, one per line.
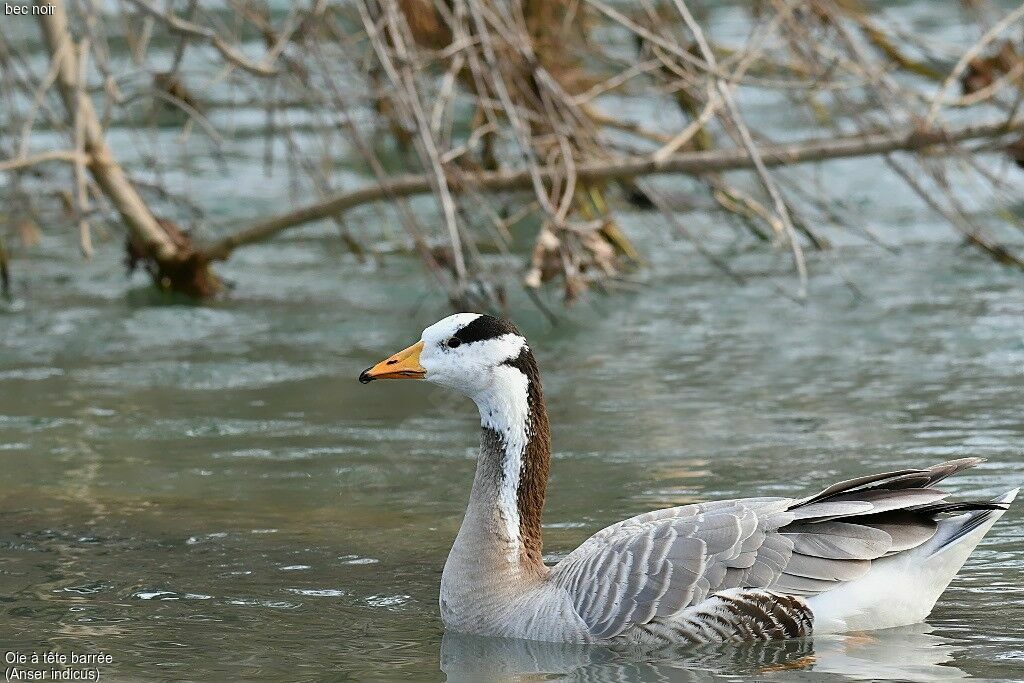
(901,589)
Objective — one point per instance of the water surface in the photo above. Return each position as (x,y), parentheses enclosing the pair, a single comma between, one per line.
(206,491)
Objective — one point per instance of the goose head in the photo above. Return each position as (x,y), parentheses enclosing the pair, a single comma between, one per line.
(488,360)
(469,353)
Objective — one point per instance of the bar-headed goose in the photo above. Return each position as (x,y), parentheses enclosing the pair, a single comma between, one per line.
(871,552)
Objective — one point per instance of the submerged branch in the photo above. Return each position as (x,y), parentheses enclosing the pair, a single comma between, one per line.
(691,163)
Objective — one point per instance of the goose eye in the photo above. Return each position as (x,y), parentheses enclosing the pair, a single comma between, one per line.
(453,342)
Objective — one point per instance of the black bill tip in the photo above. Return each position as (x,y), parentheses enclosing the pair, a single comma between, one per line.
(364,376)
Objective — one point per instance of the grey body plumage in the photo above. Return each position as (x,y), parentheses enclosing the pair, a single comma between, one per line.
(871,552)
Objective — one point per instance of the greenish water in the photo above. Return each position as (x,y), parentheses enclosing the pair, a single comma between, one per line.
(206,492)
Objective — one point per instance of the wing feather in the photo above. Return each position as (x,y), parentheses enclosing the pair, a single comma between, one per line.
(883,500)
(826,569)
(831,509)
(839,540)
(662,564)
(801,585)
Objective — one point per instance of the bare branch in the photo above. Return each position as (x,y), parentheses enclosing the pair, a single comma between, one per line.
(102,165)
(231,53)
(63,155)
(694,163)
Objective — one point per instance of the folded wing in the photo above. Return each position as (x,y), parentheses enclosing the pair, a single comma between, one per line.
(652,567)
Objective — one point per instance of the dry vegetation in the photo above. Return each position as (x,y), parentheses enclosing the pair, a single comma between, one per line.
(497,110)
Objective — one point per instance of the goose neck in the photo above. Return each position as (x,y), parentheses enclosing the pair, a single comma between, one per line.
(515,451)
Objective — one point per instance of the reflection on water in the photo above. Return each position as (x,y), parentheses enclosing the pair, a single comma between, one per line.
(909,653)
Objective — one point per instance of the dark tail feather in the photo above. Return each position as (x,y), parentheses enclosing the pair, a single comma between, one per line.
(976,514)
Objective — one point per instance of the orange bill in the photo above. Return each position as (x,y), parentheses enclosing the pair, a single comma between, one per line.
(403,365)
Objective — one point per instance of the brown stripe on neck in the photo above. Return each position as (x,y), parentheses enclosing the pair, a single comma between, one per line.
(533,476)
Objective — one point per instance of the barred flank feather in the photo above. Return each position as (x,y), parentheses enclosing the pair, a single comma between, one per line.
(743,569)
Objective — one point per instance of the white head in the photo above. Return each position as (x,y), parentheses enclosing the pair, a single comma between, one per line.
(466,352)
(487,359)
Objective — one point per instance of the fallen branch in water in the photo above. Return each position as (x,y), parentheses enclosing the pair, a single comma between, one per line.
(177,266)
(690,163)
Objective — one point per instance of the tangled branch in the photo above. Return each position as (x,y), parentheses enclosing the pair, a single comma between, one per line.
(511,115)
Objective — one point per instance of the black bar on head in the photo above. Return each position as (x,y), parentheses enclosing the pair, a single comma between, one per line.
(486,327)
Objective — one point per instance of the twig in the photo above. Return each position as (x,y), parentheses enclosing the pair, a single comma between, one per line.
(63,155)
(965,59)
(231,53)
(105,169)
(81,191)
(692,163)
